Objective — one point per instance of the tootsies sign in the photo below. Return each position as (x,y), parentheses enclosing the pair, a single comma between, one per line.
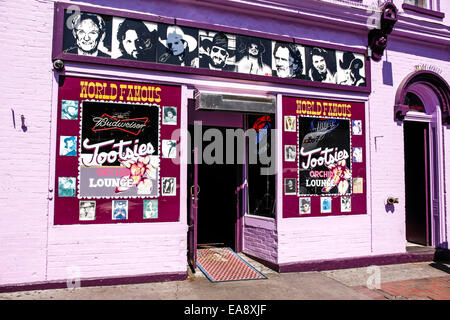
(324,150)
(112,162)
(324,162)
(113,136)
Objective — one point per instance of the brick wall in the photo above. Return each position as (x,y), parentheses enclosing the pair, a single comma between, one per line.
(261,238)
(380,231)
(33,250)
(26,81)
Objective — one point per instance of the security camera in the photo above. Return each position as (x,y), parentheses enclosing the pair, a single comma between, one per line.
(392,200)
(58,65)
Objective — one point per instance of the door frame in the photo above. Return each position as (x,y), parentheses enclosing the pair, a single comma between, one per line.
(435,174)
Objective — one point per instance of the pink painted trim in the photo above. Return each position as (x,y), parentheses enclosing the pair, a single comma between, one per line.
(313,43)
(279,163)
(113,12)
(250,33)
(213,73)
(184,154)
(428,12)
(431,79)
(427,186)
(160,277)
(358,262)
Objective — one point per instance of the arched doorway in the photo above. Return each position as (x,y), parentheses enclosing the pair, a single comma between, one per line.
(422,103)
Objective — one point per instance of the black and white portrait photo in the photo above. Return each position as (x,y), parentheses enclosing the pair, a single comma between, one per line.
(87,210)
(66,187)
(69,109)
(321,64)
(134,39)
(253,56)
(217,51)
(290,186)
(288,61)
(350,69)
(87,34)
(289,124)
(346,204)
(290,153)
(304,205)
(67,146)
(169,115)
(169,149)
(169,186)
(178,46)
(120,209)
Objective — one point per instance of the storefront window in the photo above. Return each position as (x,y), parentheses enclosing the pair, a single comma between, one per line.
(260,179)
(324,170)
(115,152)
(418,3)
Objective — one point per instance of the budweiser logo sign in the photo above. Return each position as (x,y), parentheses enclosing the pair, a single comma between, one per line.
(107,122)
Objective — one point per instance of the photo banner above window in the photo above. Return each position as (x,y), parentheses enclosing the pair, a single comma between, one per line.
(94,35)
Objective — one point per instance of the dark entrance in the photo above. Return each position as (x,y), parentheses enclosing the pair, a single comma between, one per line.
(217,204)
(416,137)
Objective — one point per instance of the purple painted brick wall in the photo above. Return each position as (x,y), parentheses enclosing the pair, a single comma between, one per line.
(34,250)
(261,238)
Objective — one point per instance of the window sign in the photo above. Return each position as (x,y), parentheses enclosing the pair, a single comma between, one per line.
(329,165)
(115,154)
(119,150)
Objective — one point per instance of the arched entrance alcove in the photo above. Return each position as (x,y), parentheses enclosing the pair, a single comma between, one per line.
(422,104)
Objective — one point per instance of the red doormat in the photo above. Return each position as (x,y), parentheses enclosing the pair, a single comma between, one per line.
(223,264)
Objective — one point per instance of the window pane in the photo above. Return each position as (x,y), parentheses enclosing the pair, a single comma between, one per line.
(414,102)
(418,3)
(261,187)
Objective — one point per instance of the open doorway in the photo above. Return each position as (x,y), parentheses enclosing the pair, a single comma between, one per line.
(217,204)
(417,182)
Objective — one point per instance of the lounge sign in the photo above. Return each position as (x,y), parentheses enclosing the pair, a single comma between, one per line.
(114,38)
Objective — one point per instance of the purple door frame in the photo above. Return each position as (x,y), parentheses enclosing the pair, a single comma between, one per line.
(427,184)
(192,232)
(434,92)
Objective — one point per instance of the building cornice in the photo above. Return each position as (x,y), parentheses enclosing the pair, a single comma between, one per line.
(342,16)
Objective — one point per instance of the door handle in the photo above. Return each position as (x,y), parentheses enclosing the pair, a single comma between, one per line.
(192,192)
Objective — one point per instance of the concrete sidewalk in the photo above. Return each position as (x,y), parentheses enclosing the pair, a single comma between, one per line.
(426,280)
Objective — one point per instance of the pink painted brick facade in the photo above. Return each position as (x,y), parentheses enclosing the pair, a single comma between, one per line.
(34,250)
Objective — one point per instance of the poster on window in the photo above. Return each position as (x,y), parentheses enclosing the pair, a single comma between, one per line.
(329,163)
(119,150)
(324,156)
